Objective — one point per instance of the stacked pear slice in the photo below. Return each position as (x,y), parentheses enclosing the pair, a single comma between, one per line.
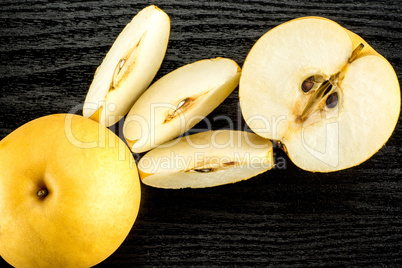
(321,92)
(178,101)
(206,159)
(129,67)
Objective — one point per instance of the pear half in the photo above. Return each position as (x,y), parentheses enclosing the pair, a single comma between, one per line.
(206,159)
(129,67)
(321,92)
(178,101)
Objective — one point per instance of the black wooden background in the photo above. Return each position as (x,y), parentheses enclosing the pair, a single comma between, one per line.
(286,217)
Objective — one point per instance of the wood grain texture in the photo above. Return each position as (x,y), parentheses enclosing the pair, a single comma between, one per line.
(49,51)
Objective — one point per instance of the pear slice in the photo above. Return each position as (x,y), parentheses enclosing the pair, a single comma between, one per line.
(321,92)
(178,101)
(129,66)
(206,159)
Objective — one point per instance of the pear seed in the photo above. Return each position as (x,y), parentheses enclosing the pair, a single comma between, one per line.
(332,100)
(181,104)
(122,61)
(116,72)
(203,170)
(308,84)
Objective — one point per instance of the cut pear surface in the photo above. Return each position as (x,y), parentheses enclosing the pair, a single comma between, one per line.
(129,66)
(206,159)
(321,92)
(178,101)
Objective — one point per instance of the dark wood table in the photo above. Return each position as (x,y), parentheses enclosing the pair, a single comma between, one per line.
(284,217)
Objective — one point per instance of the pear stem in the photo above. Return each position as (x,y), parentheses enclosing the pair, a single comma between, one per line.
(356,52)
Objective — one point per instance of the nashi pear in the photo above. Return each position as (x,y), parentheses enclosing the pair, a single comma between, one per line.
(206,159)
(129,67)
(178,101)
(321,92)
(69,193)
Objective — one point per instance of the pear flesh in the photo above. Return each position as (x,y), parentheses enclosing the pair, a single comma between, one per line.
(178,101)
(129,67)
(206,159)
(321,92)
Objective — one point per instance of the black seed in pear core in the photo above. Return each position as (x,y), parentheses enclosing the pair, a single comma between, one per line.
(332,100)
(308,84)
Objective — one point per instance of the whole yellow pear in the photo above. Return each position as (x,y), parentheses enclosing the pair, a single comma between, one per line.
(69,193)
